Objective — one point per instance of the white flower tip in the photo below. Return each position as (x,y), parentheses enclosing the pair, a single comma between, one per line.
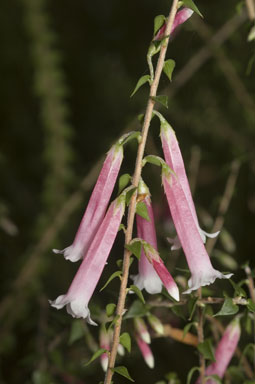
(189,12)
(196,282)
(104,361)
(59,303)
(121,350)
(174,292)
(58,251)
(150,361)
(71,253)
(206,234)
(160,329)
(146,337)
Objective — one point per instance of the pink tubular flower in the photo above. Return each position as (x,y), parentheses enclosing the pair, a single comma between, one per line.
(104,343)
(147,277)
(146,351)
(164,275)
(174,160)
(180,18)
(202,271)
(89,272)
(224,351)
(142,329)
(97,205)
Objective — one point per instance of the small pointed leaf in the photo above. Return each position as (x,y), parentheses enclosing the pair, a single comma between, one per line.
(110,309)
(228,308)
(140,82)
(141,210)
(135,248)
(121,370)
(115,274)
(129,194)
(158,22)
(97,354)
(152,159)
(135,289)
(216,379)
(125,340)
(206,349)
(123,181)
(137,309)
(162,99)
(168,68)
(190,4)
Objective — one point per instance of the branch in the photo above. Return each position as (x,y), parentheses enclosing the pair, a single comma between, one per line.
(135,181)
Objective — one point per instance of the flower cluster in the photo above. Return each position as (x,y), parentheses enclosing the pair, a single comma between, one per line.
(99,226)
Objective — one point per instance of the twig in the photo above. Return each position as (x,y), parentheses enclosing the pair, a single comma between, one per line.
(200,302)
(224,204)
(135,181)
(250,9)
(200,334)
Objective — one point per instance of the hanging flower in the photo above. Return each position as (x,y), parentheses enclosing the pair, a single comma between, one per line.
(164,275)
(97,205)
(156,324)
(202,271)
(147,277)
(180,18)
(174,160)
(89,272)
(104,343)
(224,351)
(146,351)
(142,330)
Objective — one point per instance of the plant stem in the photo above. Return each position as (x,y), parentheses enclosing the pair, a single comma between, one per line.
(200,334)
(135,181)
(251,9)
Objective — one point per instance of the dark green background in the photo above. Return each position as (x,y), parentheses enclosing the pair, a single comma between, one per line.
(67,69)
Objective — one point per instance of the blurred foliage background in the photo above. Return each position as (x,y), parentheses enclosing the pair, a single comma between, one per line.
(67,70)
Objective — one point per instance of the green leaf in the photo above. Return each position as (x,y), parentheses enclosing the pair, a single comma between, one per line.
(123,181)
(158,22)
(97,354)
(137,309)
(77,331)
(227,241)
(239,291)
(162,99)
(152,159)
(192,306)
(251,305)
(168,68)
(136,290)
(187,328)
(121,370)
(122,228)
(190,4)
(228,308)
(206,350)
(135,247)
(140,82)
(133,135)
(125,340)
(141,210)
(115,274)
(129,194)
(191,373)
(110,309)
